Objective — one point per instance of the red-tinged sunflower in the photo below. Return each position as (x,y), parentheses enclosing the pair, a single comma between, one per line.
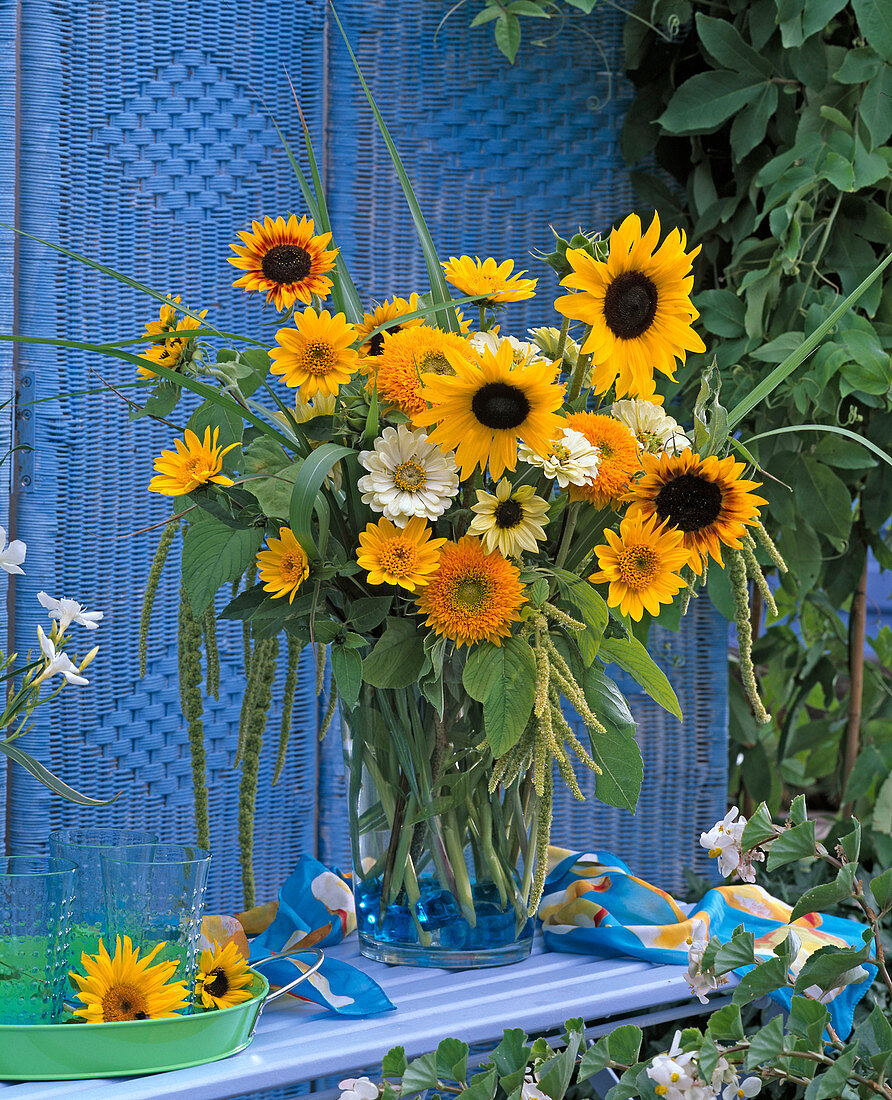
(641,565)
(283,566)
(638,303)
(405,358)
(285,260)
(195,462)
(618,459)
(391,314)
(488,405)
(473,596)
(487,280)
(316,356)
(705,498)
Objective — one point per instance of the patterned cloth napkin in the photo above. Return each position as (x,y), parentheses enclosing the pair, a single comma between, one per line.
(593,905)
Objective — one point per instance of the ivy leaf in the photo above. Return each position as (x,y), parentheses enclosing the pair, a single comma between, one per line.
(826,895)
(214,553)
(704,102)
(792,844)
(420,1074)
(394,1063)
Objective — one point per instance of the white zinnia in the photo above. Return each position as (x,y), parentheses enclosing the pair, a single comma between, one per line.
(651,425)
(70,611)
(12,556)
(521,351)
(408,476)
(571,459)
(358,1088)
(57,662)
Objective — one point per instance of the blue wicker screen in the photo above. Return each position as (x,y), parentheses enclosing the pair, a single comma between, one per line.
(145,143)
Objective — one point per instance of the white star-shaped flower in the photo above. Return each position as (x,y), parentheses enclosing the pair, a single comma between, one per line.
(57,662)
(12,556)
(70,611)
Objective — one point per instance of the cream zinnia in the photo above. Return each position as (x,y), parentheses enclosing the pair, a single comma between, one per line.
(571,459)
(408,476)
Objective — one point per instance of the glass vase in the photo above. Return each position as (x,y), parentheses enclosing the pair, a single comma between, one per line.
(442,868)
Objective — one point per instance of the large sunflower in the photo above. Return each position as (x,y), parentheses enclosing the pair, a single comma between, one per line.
(287,261)
(484,409)
(617,458)
(705,498)
(283,566)
(195,462)
(390,311)
(127,987)
(473,596)
(224,978)
(407,355)
(638,304)
(640,564)
(169,353)
(487,280)
(316,355)
(404,556)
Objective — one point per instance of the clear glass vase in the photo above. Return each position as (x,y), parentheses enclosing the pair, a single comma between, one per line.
(442,868)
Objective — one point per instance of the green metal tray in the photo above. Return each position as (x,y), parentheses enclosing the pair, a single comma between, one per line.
(63,1052)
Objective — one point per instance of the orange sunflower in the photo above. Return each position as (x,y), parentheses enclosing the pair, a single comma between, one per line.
(487,280)
(316,355)
(618,458)
(392,310)
(705,498)
(488,405)
(473,596)
(640,564)
(287,261)
(283,566)
(404,556)
(406,356)
(638,303)
(195,462)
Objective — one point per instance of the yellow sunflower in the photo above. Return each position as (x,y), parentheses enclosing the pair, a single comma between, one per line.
(224,978)
(169,353)
(487,280)
(509,520)
(705,498)
(640,564)
(193,463)
(405,357)
(638,303)
(283,566)
(617,458)
(316,355)
(405,556)
(473,596)
(392,310)
(487,406)
(287,261)
(127,987)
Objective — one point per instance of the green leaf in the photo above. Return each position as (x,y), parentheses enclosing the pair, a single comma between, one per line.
(554,1077)
(397,658)
(503,678)
(851,842)
(808,1018)
(738,951)
(482,1086)
(507,35)
(394,1063)
(346,668)
(827,965)
(725,1023)
(625,1043)
(632,657)
(792,844)
(858,65)
(46,777)
(368,612)
(750,124)
(882,810)
(762,979)
(874,1037)
(721,312)
(817,14)
(881,888)
(452,1060)
(766,1044)
(875,21)
(706,100)
(213,554)
(511,1054)
(875,113)
(823,497)
(420,1074)
(758,829)
(724,42)
(616,752)
(826,895)
(830,1085)
(307,484)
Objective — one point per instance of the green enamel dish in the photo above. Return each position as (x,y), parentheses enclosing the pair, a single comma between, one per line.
(62,1052)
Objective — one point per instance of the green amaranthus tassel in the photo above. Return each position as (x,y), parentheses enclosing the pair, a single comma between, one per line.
(189,657)
(154,578)
(294,651)
(736,565)
(211,652)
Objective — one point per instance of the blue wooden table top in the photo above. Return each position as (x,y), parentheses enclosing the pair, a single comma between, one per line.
(297,1041)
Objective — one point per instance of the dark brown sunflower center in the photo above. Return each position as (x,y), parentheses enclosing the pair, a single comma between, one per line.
(630,305)
(497,405)
(286,263)
(376,344)
(219,987)
(689,502)
(507,514)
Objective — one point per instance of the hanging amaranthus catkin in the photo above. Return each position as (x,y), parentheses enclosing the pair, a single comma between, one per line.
(266,651)
(154,578)
(769,547)
(294,651)
(736,566)
(543,832)
(211,652)
(250,578)
(755,574)
(189,659)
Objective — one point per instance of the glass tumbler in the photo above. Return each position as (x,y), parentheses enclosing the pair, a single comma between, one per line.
(155,893)
(35,915)
(84,847)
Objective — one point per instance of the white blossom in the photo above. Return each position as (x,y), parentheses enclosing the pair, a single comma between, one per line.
(58,662)
(70,611)
(408,476)
(571,459)
(521,351)
(358,1088)
(651,425)
(738,1090)
(701,981)
(12,556)
(530,1090)
(724,841)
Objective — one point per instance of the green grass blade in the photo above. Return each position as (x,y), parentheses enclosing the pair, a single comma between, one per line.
(47,778)
(773,380)
(307,484)
(872,447)
(446,318)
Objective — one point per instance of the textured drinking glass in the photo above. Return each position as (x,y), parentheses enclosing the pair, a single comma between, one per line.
(35,915)
(154,893)
(84,847)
